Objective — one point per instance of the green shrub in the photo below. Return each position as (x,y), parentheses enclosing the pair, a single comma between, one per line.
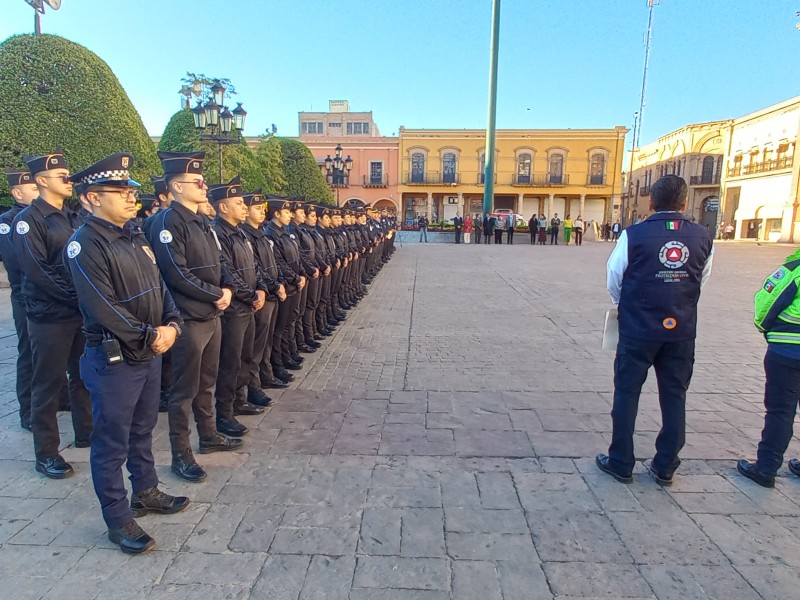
(303,176)
(56,93)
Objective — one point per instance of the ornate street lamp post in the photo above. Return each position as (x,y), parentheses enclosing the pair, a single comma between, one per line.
(215,123)
(337,170)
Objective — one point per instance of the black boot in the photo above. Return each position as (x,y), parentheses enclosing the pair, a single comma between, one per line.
(246,408)
(54,468)
(230,427)
(185,466)
(282,375)
(131,538)
(752,472)
(218,442)
(155,501)
(257,397)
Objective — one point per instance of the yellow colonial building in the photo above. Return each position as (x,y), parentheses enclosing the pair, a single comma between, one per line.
(543,171)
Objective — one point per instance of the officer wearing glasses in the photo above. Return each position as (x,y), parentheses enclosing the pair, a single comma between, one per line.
(188,256)
(41,232)
(130,320)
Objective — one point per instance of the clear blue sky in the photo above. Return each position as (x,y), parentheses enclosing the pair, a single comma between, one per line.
(424,63)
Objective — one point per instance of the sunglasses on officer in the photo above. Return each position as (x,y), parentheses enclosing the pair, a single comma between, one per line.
(123,193)
(63,178)
(201,183)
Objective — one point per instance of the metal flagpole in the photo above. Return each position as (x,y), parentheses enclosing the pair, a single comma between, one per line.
(488,173)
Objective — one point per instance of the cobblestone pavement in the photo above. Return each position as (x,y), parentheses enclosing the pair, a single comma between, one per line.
(440,446)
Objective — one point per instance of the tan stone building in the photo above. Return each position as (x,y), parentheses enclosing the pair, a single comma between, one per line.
(564,171)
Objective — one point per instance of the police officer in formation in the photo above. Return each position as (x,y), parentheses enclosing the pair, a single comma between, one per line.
(23,191)
(129,320)
(125,289)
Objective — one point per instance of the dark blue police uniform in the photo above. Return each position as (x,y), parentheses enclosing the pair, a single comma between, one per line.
(123,300)
(666,258)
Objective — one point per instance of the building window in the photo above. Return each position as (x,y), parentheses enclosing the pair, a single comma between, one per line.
(313,127)
(366,128)
(482,168)
(335,126)
(376,173)
(708,170)
(304,127)
(556,171)
(524,168)
(449,167)
(597,168)
(357,128)
(418,167)
(349,129)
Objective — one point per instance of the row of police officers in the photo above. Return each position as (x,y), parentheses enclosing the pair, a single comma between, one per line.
(135,304)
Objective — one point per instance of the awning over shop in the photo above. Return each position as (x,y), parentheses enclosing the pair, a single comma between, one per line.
(761,212)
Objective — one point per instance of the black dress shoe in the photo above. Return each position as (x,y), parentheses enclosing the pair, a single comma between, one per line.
(661,478)
(230,427)
(246,408)
(318,337)
(258,398)
(313,344)
(25,423)
(153,500)
(292,365)
(274,383)
(297,358)
(81,444)
(794,466)
(601,460)
(54,468)
(185,466)
(131,538)
(752,472)
(325,332)
(282,375)
(219,443)
(306,349)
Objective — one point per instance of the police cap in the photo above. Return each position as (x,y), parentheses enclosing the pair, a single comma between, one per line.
(18,177)
(223,191)
(182,162)
(47,162)
(113,171)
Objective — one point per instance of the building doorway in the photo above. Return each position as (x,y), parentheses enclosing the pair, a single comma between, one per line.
(709,215)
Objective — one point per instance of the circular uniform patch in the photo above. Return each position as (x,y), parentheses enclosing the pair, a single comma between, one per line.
(165,236)
(73,249)
(4,229)
(23,227)
(673,255)
(776,275)
(670,323)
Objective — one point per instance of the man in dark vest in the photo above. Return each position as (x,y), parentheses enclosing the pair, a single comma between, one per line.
(654,276)
(458,223)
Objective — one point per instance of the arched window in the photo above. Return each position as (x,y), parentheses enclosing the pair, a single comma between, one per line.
(597,169)
(418,167)
(524,167)
(556,168)
(708,170)
(449,167)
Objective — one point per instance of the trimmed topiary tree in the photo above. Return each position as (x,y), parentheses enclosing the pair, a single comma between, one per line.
(56,93)
(303,175)
(270,155)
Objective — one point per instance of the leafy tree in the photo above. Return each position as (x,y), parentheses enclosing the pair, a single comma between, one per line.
(270,156)
(56,93)
(303,175)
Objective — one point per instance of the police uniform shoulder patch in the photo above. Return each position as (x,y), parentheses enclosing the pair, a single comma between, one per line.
(4,229)
(271,243)
(23,227)
(769,286)
(779,274)
(165,236)
(291,235)
(73,249)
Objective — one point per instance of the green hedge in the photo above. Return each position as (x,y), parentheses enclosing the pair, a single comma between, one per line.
(303,176)
(54,93)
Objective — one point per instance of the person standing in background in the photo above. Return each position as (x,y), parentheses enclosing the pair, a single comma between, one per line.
(478,223)
(511,221)
(533,228)
(555,223)
(458,222)
(577,228)
(568,224)
(467,228)
(488,225)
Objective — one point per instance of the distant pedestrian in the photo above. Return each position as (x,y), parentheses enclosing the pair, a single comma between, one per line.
(478,224)
(511,222)
(777,316)
(542,226)
(555,224)
(568,225)
(422,223)
(488,225)
(616,230)
(467,228)
(577,228)
(729,231)
(499,224)
(458,222)
(533,228)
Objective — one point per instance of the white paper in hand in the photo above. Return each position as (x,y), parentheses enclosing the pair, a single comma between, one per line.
(611,330)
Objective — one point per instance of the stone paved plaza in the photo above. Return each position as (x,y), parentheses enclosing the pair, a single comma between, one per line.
(440,446)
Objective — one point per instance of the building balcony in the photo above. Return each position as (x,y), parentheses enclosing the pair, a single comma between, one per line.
(765,166)
(370,181)
(596,180)
(431,178)
(543,180)
(704,180)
